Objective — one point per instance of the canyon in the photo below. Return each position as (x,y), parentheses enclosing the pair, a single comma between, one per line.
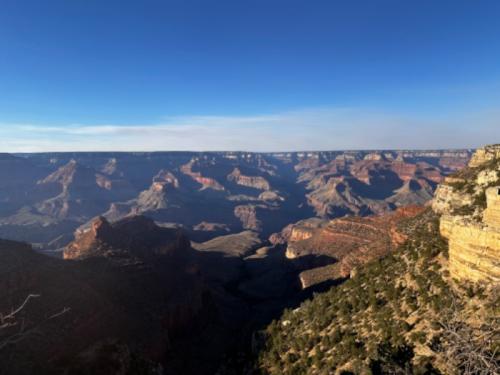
(199,252)
(44,198)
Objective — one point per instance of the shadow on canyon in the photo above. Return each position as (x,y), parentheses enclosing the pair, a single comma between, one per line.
(247,294)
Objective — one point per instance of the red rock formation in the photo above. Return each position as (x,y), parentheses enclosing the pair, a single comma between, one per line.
(206,182)
(350,241)
(373,184)
(256,182)
(135,236)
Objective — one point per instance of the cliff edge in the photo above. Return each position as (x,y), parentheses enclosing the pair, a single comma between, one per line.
(470,206)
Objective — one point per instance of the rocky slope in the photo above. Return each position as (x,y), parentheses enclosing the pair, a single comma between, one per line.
(402,314)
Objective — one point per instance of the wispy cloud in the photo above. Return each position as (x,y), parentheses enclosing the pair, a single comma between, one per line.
(309,129)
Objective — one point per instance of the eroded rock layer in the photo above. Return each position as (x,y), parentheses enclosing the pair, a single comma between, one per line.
(470,206)
(345,243)
(474,251)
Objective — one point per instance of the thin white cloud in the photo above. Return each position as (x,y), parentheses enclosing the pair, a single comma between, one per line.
(311,129)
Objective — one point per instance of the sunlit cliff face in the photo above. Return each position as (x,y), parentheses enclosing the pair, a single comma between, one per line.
(474,235)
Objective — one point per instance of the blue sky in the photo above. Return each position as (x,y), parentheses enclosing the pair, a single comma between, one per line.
(253,75)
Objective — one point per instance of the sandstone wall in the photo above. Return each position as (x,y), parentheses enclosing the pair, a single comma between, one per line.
(445,225)
(474,250)
(474,247)
(491,215)
(473,232)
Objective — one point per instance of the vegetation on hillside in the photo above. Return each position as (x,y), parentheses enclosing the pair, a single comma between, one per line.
(398,315)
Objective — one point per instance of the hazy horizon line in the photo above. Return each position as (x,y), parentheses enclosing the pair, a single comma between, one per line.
(302,130)
(246,151)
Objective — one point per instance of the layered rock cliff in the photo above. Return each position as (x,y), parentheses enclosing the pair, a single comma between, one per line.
(343,244)
(485,154)
(156,197)
(375,183)
(256,182)
(474,247)
(205,182)
(470,206)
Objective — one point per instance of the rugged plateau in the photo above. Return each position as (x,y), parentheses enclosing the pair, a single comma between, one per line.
(44,198)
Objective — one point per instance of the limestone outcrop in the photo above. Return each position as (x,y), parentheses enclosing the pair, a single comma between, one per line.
(474,250)
(485,154)
(447,198)
(492,212)
(470,206)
